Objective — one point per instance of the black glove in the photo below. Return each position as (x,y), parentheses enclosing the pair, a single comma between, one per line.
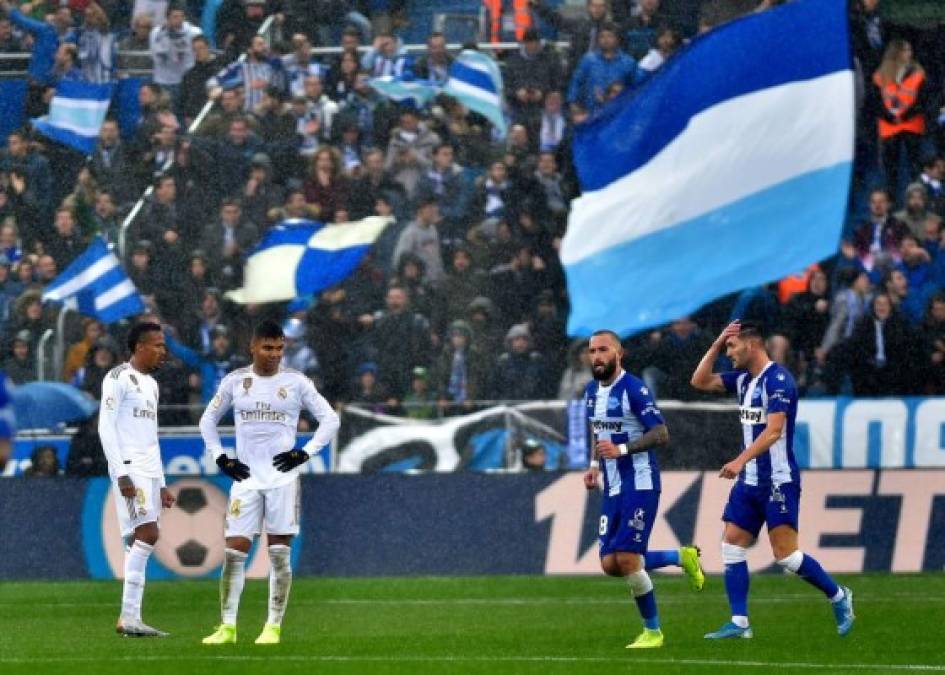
(233,468)
(288,460)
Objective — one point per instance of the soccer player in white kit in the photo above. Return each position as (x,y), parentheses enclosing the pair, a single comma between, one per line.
(128,428)
(266,401)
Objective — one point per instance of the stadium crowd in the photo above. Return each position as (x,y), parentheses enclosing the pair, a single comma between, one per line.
(463,297)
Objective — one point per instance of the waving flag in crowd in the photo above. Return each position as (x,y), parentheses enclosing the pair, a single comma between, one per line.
(729,169)
(76,114)
(474,80)
(96,285)
(300,257)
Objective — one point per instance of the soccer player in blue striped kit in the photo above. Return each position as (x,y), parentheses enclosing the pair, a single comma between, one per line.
(767,486)
(627,427)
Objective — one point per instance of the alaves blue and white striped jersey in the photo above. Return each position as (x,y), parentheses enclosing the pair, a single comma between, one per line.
(622,412)
(773,391)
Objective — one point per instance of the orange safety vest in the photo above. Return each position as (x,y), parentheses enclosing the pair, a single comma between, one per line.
(494,7)
(899,100)
(795,283)
(522,15)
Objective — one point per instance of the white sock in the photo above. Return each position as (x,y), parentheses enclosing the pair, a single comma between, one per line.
(232,580)
(740,621)
(280,581)
(839,596)
(136,560)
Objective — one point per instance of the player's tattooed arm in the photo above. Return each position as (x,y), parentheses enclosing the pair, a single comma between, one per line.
(656,437)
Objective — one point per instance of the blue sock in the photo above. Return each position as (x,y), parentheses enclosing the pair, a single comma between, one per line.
(736,586)
(657,559)
(811,572)
(647,605)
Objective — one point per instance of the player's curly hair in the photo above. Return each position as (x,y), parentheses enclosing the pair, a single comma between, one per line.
(140,329)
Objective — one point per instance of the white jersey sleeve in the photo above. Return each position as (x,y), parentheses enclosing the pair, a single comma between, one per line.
(328,422)
(112,395)
(214,412)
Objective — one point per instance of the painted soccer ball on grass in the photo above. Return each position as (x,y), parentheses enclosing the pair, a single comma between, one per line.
(191,542)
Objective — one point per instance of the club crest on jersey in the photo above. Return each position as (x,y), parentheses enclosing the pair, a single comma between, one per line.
(282,393)
(139,497)
(638,522)
(109,403)
(235,508)
(247,383)
(216,402)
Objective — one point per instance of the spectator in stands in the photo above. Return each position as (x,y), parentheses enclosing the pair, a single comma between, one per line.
(341,79)
(552,124)
(44,463)
(668,42)
(197,329)
(461,371)
(233,155)
(369,110)
(319,107)
(850,303)
(238,21)
(520,372)
(101,358)
(139,39)
(434,64)
(254,74)
(577,374)
(374,183)
(21,158)
(554,192)
(910,301)
(400,338)
(260,194)
(410,151)
(530,72)
(9,43)
(583,32)
(159,222)
(140,271)
(193,85)
(20,366)
(97,46)
(518,281)
(674,353)
(598,70)
(111,164)
(86,458)
(807,315)
(10,249)
(463,283)
(46,37)
(868,34)
(933,173)
(276,126)
(326,186)
(915,212)
(92,330)
(300,64)
(549,334)
(366,388)
(496,198)
(66,243)
(900,101)
(882,357)
(639,26)
(411,274)
(46,270)
(420,401)
(387,56)
(877,241)
(933,344)
(210,368)
(298,355)
(421,238)
(172,49)
(10,290)
(447,181)
(227,240)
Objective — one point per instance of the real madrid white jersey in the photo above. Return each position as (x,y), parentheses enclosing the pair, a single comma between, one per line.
(128,423)
(266,411)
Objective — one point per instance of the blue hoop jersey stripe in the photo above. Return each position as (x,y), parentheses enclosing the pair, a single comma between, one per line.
(622,413)
(773,391)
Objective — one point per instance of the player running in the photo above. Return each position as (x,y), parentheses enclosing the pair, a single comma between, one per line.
(627,425)
(266,401)
(767,489)
(128,428)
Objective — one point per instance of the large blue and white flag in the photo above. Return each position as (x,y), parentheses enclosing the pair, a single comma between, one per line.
(728,169)
(474,80)
(76,114)
(300,257)
(96,285)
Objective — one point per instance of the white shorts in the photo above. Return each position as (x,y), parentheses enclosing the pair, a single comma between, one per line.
(144,507)
(277,508)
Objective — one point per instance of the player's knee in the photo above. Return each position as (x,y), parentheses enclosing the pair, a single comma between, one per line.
(791,561)
(609,566)
(629,563)
(732,554)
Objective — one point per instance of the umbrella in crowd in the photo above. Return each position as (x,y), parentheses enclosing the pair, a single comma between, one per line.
(46,405)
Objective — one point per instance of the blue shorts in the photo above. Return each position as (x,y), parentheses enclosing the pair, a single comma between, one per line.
(751,506)
(626,521)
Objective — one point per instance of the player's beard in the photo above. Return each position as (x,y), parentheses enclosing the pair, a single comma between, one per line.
(604,371)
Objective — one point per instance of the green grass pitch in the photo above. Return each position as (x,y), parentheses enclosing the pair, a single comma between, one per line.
(476,625)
